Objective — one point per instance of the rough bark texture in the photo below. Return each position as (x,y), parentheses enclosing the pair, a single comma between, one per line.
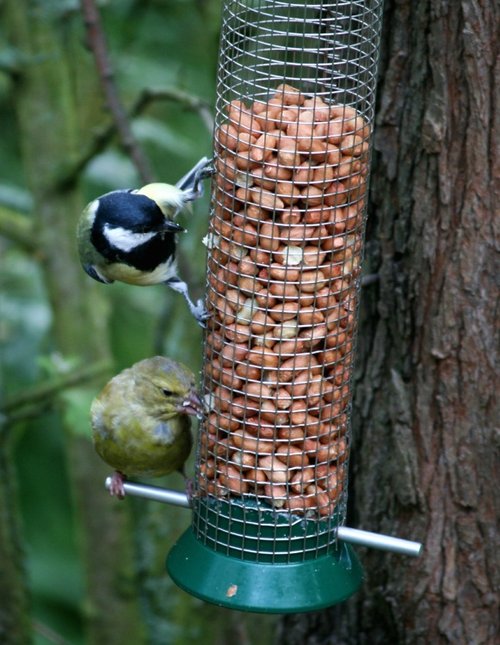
(424,455)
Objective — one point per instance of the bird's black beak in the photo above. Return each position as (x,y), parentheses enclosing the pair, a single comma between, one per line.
(171,227)
(192,405)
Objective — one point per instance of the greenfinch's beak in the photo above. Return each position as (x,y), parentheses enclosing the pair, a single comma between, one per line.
(192,405)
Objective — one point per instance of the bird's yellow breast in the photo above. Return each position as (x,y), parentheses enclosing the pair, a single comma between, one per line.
(130,275)
(144,447)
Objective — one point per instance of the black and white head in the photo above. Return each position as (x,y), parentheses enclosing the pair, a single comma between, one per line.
(123,221)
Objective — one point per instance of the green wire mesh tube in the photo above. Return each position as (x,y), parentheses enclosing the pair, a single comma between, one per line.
(294,119)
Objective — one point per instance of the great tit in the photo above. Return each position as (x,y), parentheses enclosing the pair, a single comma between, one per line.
(130,235)
(140,424)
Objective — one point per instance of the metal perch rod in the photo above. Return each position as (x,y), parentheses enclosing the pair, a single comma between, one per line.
(344,533)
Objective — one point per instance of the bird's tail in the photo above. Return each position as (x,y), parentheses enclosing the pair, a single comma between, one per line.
(191,184)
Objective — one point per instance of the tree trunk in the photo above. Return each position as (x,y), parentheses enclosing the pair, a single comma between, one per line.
(423,459)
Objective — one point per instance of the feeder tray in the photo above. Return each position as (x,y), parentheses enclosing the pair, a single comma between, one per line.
(259,569)
(296,584)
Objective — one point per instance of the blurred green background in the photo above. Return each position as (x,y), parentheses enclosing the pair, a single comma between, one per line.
(54,323)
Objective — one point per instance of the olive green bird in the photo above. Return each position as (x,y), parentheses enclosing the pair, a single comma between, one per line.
(140,420)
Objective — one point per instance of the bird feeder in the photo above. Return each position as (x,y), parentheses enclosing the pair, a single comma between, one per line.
(294,115)
(293,133)
(292,141)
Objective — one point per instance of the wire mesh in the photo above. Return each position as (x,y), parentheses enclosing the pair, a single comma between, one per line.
(294,115)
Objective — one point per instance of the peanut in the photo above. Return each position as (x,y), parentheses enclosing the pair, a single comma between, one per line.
(288,154)
(233,352)
(298,363)
(236,332)
(292,456)
(289,95)
(247,372)
(289,255)
(245,441)
(257,390)
(285,310)
(299,503)
(302,479)
(280,272)
(275,171)
(231,479)
(243,120)
(259,428)
(284,256)
(284,290)
(245,141)
(290,216)
(227,136)
(274,469)
(277,494)
(254,478)
(266,199)
(242,459)
(263,357)
(268,236)
(312,280)
(263,147)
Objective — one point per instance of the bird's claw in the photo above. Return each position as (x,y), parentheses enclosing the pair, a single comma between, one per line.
(116,488)
(200,312)
(189,488)
(208,170)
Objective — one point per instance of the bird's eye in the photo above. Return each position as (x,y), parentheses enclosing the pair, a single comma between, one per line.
(167,392)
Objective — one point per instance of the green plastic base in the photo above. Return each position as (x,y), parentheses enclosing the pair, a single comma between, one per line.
(263,587)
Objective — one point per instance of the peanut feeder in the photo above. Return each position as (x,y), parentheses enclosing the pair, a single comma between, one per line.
(294,120)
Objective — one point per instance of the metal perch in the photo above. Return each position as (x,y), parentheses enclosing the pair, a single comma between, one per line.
(344,533)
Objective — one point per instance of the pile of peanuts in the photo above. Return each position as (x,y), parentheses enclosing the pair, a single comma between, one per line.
(283,271)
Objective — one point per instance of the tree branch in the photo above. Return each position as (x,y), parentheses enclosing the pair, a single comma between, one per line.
(98,46)
(104,135)
(189,101)
(39,393)
(17,228)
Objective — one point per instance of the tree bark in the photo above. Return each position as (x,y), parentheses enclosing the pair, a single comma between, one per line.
(424,455)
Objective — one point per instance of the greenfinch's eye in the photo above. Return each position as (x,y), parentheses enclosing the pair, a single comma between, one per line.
(167,392)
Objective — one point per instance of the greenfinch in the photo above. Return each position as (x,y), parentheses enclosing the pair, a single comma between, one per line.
(140,420)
